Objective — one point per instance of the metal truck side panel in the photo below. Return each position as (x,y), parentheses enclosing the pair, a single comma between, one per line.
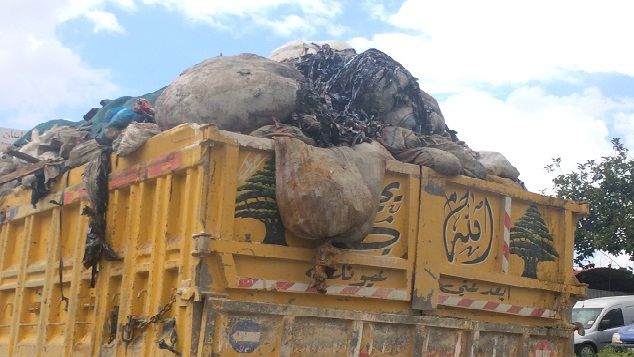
(492,252)
(234,328)
(253,258)
(201,275)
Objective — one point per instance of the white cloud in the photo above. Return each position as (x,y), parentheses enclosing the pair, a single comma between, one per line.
(104,21)
(531,127)
(95,12)
(307,17)
(624,124)
(457,48)
(457,43)
(287,25)
(39,74)
(375,9)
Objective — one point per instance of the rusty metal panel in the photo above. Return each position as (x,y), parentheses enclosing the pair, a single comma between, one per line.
(492,252)
(258,260)
(234,328)
(155,208)
(177,217)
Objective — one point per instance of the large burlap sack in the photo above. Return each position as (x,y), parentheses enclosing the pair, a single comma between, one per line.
(443,162)
(328,194)
(496,164)
(236,93)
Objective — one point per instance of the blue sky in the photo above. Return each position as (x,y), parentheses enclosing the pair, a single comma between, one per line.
(560,75)
(534,80)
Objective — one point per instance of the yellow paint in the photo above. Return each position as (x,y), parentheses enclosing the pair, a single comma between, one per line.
(156,210)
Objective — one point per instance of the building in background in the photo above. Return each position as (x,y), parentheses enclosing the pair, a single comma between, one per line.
(9,136)
(606,281)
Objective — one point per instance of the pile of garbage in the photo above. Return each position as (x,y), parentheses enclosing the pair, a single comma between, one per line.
(322,93)
(322,102)
(327,96)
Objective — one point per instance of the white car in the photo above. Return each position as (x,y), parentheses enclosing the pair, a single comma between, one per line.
(601,318)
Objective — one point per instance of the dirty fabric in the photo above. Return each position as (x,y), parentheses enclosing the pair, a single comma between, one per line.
(96,181)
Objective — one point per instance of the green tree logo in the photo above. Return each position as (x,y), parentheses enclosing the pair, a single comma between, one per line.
(256,199)
(531,241)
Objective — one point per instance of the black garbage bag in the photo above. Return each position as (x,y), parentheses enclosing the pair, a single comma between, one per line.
(353,98)
(96,181)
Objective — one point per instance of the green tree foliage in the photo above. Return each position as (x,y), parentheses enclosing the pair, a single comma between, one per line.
(531,240)
(256,199)
(608,187)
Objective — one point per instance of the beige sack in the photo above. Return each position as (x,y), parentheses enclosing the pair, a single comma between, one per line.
(329,194)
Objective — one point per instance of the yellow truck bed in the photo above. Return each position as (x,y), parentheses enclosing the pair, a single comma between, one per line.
(454,266)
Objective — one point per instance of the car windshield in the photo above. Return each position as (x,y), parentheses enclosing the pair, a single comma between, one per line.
(585,316)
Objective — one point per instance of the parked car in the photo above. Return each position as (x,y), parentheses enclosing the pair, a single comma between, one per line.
(601,318)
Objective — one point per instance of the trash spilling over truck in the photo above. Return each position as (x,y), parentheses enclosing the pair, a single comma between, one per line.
(315,206)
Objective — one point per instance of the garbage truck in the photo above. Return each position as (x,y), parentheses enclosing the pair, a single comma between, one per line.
(201,264)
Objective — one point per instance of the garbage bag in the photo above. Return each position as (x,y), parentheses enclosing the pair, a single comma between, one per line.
(270,131)
(236,93)
(133,137)
(96,182)
(100,119)
(443,162)
(380,86)
(328,194)
(496,164)
(84,152)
